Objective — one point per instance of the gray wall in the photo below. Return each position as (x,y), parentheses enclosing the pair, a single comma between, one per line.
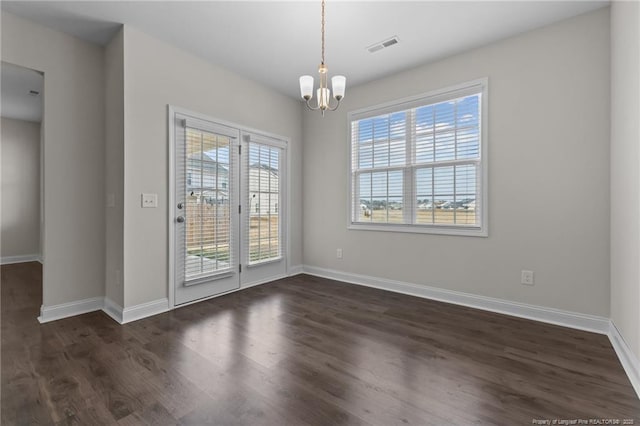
(114,168)
(548,175)
(157,74)
(20,181)
(625,171)
(73,245)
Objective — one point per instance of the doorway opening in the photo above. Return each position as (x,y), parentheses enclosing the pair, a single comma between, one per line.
(21,177)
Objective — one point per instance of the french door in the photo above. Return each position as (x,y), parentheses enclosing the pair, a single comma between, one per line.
(228,215)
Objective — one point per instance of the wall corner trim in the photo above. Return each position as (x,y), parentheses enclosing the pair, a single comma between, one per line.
(295,270)
(143,310)
(108,306)
(70,309)
(112,309)
(627,358)
(569,319)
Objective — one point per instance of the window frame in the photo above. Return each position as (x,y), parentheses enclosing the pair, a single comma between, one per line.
(433,97)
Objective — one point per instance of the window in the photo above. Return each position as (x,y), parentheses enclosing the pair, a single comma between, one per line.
(419,164)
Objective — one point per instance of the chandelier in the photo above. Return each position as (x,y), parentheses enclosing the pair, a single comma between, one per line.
(338,84)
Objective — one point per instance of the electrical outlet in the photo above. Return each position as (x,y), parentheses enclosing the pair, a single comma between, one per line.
(149,200)
(526,278)
(339,253)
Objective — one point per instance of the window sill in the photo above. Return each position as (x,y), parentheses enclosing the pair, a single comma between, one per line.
(421,229)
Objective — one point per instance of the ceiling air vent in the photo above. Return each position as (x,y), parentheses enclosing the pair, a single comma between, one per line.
(383,44)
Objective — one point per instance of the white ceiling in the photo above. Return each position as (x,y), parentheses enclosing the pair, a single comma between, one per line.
(15,99)
(274,42)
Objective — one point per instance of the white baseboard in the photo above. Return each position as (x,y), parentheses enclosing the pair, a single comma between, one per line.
(295,270)
(115,311)
(144,310)
(8,260)
(626,356)
(112,309)
(537,313)
(65,310)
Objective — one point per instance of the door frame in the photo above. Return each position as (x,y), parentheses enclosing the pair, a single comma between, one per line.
(171,111)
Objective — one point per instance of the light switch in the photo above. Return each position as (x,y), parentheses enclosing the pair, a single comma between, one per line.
(111,200)
(150,200)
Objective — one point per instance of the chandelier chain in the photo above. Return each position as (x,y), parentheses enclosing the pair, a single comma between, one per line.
(322,31)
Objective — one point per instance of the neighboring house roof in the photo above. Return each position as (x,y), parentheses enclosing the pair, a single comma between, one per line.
(209,161)
(264,167)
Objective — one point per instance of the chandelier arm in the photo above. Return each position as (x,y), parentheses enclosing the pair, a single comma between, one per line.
(335,107)
(312,108)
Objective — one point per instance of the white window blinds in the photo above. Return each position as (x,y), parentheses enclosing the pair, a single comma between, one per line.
(264,178)
(420,163)
(206,163)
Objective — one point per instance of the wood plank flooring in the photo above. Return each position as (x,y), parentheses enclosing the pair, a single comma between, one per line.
(301,351)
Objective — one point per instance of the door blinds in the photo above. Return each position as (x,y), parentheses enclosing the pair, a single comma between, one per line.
(205,192)
(264,181)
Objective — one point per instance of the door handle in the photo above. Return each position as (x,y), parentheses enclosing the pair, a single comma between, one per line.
(180,219)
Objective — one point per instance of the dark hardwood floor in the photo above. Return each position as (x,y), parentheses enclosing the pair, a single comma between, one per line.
(301,351)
